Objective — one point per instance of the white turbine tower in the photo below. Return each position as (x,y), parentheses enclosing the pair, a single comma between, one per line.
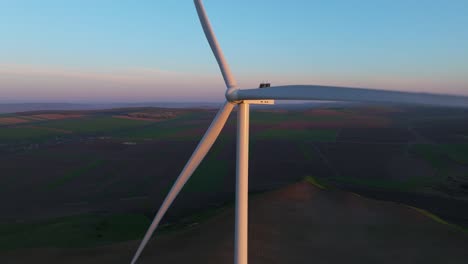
(243,98)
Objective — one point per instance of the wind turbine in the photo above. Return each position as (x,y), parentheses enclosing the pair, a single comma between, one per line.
(242,99)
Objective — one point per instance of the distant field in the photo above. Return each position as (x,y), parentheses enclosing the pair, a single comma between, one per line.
(125,160)
(443,157)
(157,131)
(26,134)
(73,174)
(51,128)
(94,124)
(101,126)
(179,127)
(11,120)
(275,118)
(457,152)
(73,231)
(320,135)
(116,123)
(211,174)
(398,185)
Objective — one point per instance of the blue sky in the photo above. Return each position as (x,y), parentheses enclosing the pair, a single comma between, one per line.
(156,51)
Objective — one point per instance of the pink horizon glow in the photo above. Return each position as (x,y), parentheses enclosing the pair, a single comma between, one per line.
(48,83)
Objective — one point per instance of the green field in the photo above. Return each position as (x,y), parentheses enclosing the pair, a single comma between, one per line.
(211,173)
(448,160)
(73,174)
(438,154)
(174,129)
(98,125)
(388,184)
(93,125)
(8,134)
(257,117)
(157,131)
(457,152)
(73,231)
(320,135)
(45,130)
(90,161)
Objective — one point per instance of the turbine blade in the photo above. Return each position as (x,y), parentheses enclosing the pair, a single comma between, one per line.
(333,93)
(200,152)
(218,53)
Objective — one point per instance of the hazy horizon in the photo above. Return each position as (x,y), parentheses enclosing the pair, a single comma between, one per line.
(156,51)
